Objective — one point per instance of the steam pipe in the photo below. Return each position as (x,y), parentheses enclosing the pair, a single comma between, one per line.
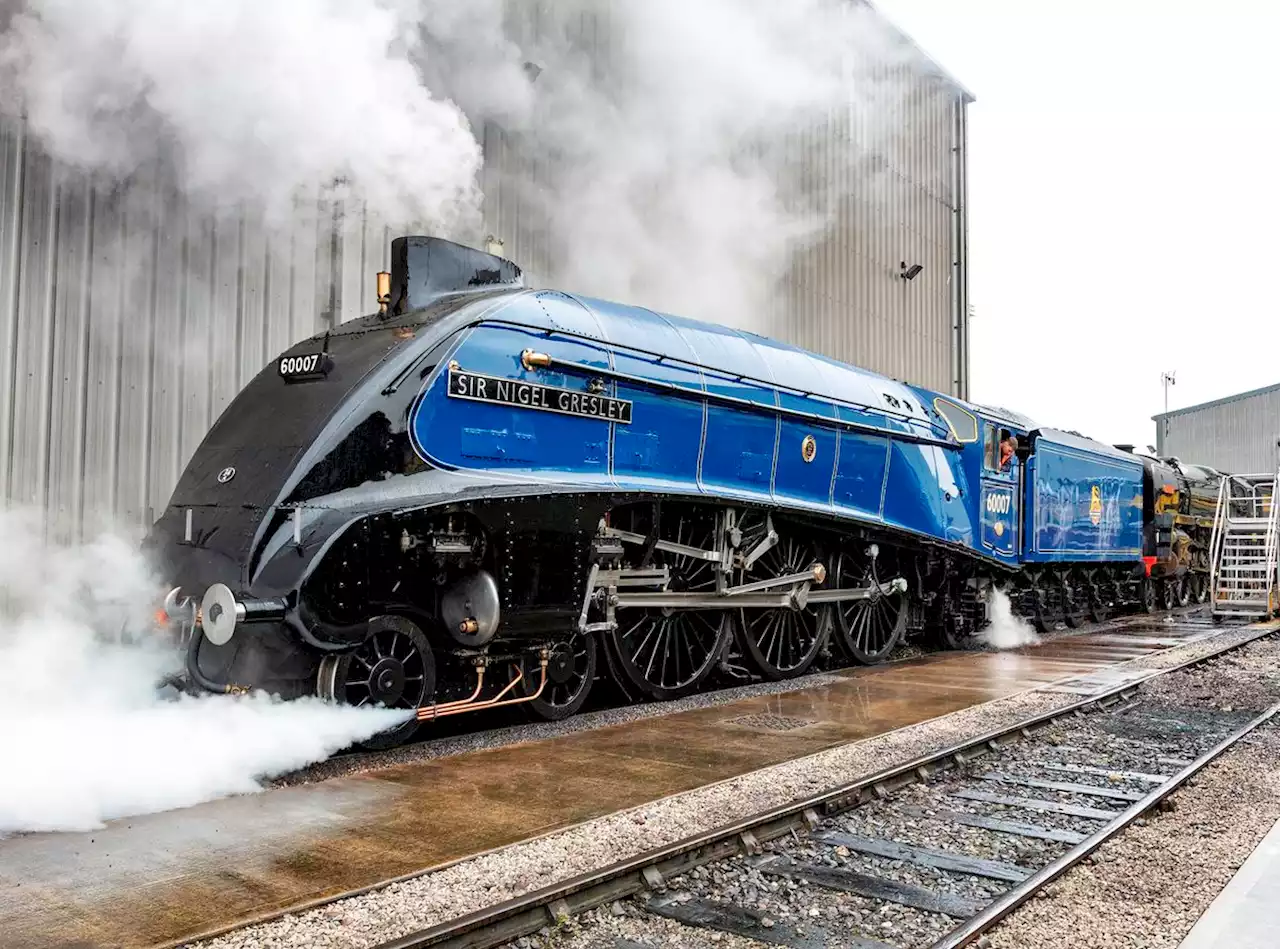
(193,667)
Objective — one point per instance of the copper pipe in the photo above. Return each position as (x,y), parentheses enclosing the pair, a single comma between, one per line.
(428,712)
(468,700)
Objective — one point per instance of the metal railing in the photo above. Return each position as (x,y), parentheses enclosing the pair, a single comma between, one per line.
(1245,509)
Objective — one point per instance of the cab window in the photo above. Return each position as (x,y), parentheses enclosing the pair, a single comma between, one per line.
(996,457)
(963,425)
(990,447)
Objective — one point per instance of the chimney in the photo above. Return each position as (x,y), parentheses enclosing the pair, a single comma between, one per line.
(424,269)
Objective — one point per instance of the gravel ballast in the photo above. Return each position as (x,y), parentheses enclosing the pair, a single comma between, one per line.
(1148,886)
(464,887)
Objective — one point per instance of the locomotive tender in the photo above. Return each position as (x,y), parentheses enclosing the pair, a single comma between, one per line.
(485,495)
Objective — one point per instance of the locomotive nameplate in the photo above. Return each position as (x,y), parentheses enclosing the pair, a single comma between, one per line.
(532,395)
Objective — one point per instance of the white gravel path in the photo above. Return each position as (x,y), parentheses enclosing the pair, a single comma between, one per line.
(402,907)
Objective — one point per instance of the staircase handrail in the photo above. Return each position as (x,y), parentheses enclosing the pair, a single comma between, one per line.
(1216,538)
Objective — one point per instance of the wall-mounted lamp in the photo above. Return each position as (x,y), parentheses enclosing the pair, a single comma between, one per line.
(909,273)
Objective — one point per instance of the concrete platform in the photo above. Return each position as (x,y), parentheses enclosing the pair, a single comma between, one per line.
(169,877)
(1244,914)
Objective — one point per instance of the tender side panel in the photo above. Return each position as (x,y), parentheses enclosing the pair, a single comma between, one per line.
(1083,506)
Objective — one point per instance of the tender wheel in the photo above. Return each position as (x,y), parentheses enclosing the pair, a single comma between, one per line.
(1075,606)
(394,667)
(1099,600)
(780,643)
(1148,600)
(666,654)
(1200,588)
(868,629)
(571,670)
(1047,608)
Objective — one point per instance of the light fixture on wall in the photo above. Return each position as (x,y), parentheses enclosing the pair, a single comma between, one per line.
(909,273)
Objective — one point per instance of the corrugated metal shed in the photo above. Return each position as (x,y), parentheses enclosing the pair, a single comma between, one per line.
(1236,434)
(129,319)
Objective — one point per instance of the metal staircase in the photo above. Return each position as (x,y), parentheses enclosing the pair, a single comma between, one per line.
(1243,548)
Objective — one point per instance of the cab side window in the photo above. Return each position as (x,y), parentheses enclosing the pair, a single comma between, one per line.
(990,447)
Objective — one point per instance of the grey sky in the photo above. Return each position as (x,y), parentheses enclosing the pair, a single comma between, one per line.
(1125,200)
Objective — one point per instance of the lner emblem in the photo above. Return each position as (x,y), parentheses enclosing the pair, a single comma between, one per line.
(808,448)
(1095,504)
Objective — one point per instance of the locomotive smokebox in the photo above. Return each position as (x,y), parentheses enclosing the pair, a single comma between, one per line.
(424,269)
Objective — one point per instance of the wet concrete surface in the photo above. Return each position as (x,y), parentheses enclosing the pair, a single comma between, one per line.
(169,877)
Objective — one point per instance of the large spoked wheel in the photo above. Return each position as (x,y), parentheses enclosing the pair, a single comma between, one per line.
(571,670)
(1168,594)
(780,643)
(667,653)
(393,668)
(869,629)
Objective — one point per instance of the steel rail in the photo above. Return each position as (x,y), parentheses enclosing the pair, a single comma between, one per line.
(525,914)
(1011,899)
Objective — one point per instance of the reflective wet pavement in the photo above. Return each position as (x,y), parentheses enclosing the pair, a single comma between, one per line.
(167,877)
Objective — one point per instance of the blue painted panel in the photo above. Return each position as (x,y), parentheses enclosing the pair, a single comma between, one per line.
(795,478)
(956,500)
(859,484)
(664,439)
(999,517)
(468,434)
(738,452)
(1085,506)
(914,500)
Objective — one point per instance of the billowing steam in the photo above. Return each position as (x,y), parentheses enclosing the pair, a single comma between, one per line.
(658,152)
(250,102)
(1006,630)
(84,737)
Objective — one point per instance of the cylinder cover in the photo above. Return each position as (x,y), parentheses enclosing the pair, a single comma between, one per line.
(471,609)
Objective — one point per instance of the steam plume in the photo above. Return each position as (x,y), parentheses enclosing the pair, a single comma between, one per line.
(651,152)
(1006,630)
(83,736)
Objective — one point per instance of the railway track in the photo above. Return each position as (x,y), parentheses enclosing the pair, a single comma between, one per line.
(1025,803)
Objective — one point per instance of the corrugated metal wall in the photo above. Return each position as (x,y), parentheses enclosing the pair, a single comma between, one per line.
(128,320)
(1237,434)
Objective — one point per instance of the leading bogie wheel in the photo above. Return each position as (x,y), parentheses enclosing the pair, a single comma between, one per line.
(571,670)
(668,653)
(780,643)
(869,628)
(393,668)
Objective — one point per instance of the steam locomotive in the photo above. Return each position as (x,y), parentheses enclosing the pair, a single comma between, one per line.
(486,495)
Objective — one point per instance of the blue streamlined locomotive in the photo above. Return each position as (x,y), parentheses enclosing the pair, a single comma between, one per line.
(483,495)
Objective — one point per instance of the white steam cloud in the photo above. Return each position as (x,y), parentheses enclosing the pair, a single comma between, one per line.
(1006,629)
(251,102)
(679,155)
(84,737)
